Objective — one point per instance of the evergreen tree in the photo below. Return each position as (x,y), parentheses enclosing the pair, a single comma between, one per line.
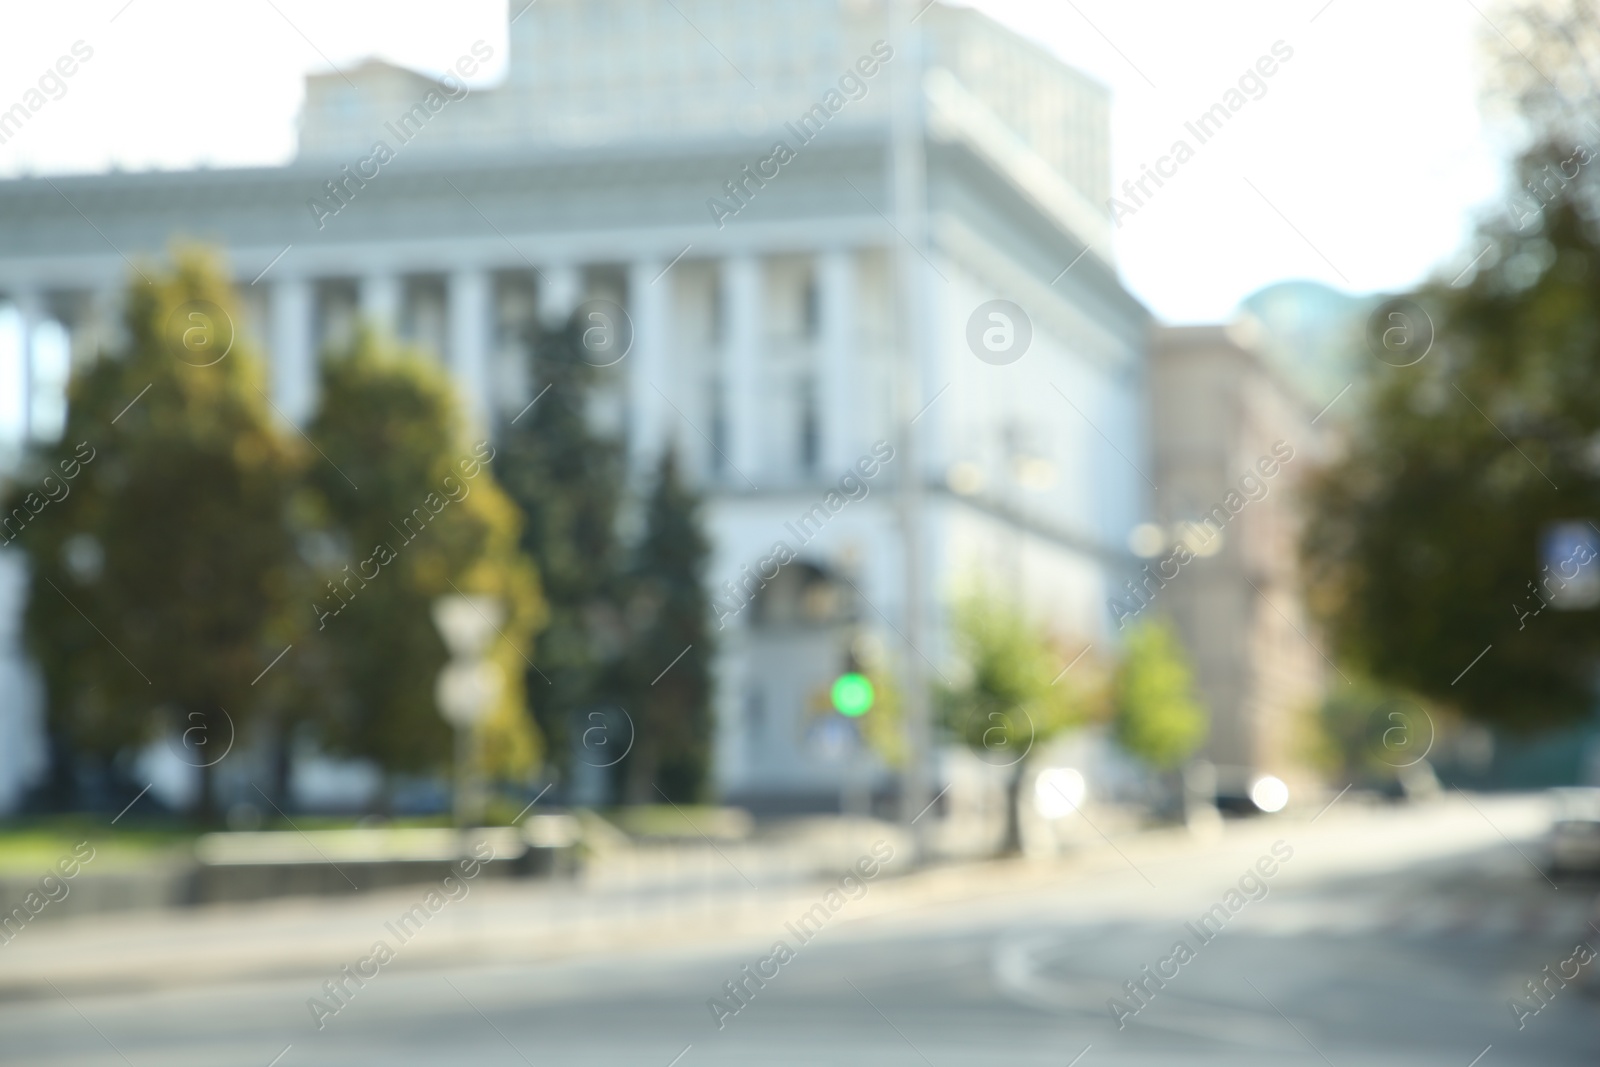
(403,511)
(1157,716)
(567,480)
(157,531)
(666,677)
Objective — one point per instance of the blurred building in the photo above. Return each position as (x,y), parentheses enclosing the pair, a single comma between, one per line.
(627,157)
(1233,435)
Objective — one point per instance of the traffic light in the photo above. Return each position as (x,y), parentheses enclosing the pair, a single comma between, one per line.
(852,694)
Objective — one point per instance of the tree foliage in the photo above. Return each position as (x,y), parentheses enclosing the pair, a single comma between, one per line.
(1366,733)
(406,510)
(1007,701)
(1157,716)
(1010,699)
(567,480)
(1424,542)
(181,544)
(160,580)
(665,679)
(1545,67)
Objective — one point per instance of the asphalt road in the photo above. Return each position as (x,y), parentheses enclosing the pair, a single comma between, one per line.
(1386,938)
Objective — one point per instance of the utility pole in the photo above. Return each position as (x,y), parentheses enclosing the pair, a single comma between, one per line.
(908,185)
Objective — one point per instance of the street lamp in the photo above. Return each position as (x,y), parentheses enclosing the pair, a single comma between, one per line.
(468,685)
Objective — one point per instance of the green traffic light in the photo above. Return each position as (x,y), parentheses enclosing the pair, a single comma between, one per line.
(852,695)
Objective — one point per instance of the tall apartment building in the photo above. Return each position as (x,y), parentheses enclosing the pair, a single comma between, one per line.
(1233,435)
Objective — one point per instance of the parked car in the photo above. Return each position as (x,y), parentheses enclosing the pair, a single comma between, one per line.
(1574,841)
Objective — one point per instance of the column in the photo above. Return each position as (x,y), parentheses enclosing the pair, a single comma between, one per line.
(741,282)
(294,379)
(381,297)
(649,300)
(470,290)
(101,329)
(838,382)
(560,289)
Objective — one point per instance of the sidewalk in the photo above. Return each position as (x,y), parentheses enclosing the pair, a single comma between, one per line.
(716,895)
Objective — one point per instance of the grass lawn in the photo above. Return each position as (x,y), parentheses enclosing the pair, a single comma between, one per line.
(680,821)
(32,846)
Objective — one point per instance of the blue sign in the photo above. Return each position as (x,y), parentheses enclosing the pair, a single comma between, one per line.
(1569,578)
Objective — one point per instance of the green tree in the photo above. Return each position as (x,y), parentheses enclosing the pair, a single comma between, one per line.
(157,531)
(1365,733)
(403,510)
(567,480)
(1423,547)
(1424,540)
(883,729)
(1156,716)
(1009,701)
(668,613)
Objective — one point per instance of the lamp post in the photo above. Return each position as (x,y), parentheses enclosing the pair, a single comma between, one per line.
(852,696)
(468,685)
(908,188)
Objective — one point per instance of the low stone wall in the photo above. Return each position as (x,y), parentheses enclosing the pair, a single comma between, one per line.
(234,867)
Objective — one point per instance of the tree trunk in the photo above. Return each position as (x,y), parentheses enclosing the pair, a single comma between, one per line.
(199,743)
(282,768)
(383,802)
(1012,844)
(641,773)
(59,791)
(206,806)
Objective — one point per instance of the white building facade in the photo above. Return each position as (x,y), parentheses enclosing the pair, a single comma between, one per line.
(625,158)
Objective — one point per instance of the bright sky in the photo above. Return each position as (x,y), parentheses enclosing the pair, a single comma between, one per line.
(1367,142)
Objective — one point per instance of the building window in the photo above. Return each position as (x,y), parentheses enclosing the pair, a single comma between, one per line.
(810,431)
(755,721)
(812,312)
(719,425)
